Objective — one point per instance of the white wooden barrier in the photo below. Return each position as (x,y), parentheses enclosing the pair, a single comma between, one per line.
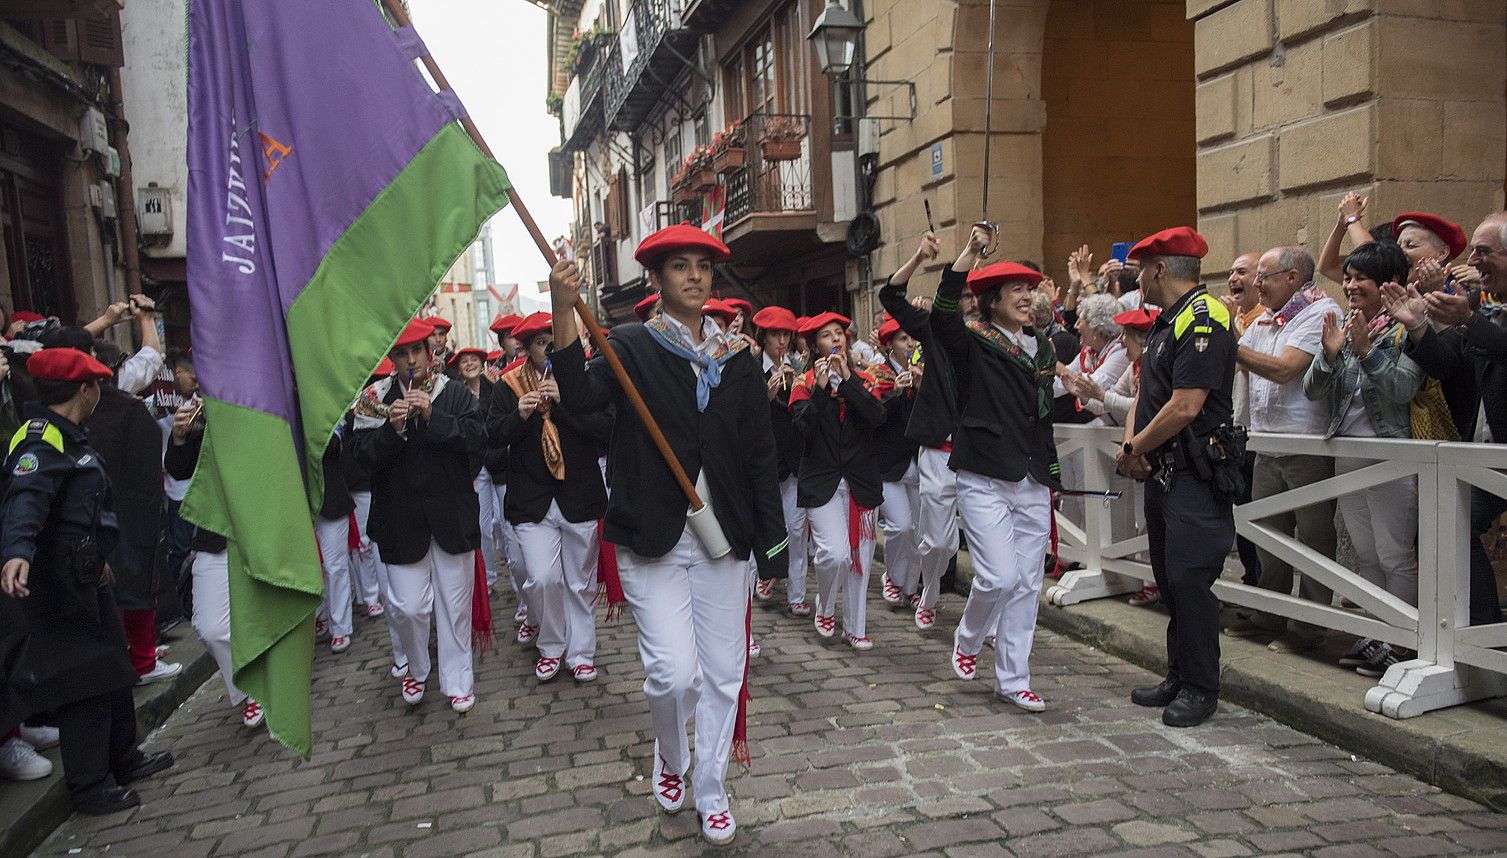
(1456,662)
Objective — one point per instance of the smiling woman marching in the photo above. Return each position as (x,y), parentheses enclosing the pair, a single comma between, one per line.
(1005,460)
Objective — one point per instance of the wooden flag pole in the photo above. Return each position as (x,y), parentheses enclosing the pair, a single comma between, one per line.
(598,337)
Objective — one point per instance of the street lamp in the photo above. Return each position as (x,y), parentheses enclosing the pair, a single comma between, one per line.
(836,38)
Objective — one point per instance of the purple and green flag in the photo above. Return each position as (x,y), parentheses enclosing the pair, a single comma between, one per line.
(330,187)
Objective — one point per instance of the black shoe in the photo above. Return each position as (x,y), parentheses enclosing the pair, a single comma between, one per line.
(145,765)
(111,799)
(1189,709)
(1158,695)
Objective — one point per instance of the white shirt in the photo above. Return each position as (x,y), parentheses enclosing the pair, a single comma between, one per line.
(1111,364)
(865,352)
(139,370)
(1027,343)
(711,337)
(1283,407)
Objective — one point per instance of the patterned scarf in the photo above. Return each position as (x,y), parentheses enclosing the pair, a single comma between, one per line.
(1491,305)
(801,391)
(1041,368)
(1295,305)
(525,379)
(677,343)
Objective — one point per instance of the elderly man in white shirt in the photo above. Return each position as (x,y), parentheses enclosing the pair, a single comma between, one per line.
(1276,350)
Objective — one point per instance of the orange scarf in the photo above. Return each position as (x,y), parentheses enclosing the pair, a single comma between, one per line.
(523,380)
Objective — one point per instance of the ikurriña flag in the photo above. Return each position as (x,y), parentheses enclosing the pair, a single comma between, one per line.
(330,187)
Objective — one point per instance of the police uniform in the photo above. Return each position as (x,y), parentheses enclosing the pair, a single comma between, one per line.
(1191,346)
(58,518)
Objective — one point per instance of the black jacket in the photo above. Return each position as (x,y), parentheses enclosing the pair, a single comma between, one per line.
(531,487)
(422,480)
(788,443)
(838,447)
(337,502)
(493,457)
(935,413)
(1000,434)
(894,449)
(179,461)
(732,439)
(58,516)
(1470,362)
(128,440)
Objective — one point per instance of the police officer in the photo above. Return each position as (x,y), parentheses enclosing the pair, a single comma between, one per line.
(58,530)
(1182,443)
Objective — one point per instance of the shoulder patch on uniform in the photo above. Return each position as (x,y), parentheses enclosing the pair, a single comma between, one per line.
(25,465)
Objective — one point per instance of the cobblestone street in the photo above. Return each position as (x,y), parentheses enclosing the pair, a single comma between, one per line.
(879,754)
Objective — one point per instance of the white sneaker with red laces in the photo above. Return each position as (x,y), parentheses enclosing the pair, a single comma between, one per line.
(321,630)
(892,593)
(858,642)
(252,715)
(375,610)
(764,590)
(546,668)
(527,633)
(963,664)
(669,788)
(340,643)
(718,828)
(520,615)
(754,649)
(1027,700)
(1147,595)
(926,618)
(990,641)
(800,609)
(826,626)
(413,691)
(463,702)
(163,650)
(585,672)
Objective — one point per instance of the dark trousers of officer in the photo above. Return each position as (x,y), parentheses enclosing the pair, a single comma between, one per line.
(1186,567)
(1250,558)
(96,737)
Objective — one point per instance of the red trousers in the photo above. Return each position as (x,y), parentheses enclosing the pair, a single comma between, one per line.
(141,639)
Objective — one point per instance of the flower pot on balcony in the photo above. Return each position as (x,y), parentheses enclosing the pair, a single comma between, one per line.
(780,149)
(683,193)
(703,180)
(729,159)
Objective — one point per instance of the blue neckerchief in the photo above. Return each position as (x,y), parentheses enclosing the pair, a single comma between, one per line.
(711,365)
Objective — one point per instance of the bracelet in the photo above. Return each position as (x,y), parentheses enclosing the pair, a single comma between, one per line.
(1421,325)
(1353,219)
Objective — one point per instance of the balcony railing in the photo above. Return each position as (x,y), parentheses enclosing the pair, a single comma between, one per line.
(582,111)
(776,175)
(653,39)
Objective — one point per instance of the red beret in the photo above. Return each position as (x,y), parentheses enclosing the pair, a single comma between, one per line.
(66,365)
(644,307)
(681,235)
(888,328)
(438,322)
(494,355)
(1448,232)
(1139,319)
(719,307)
(417,331)
(740,304)
(981,280)
(506,324)
(821,320)
(455,358)
(537,323)
(776,319)
(1177,241)
(26,316)
(384,369)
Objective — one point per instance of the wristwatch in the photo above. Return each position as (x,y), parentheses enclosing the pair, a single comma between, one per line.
(1351,219)
(1129,448)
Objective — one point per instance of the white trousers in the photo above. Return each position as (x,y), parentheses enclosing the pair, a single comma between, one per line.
(937,525)
(561,558)
(1008,526)
(902,510)
(490,513)
(512,551)
(334,536)
(212,615)
(833,559)
(795,530)
(438,589)
(364,558)
(1383,526)
(692,614)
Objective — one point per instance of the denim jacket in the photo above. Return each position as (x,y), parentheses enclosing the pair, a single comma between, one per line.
(1387,379)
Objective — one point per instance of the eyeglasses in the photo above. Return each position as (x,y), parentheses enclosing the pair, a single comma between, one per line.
(1263,275)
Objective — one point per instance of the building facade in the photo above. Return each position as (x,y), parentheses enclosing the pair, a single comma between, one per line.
(1111,118)
(61,145)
